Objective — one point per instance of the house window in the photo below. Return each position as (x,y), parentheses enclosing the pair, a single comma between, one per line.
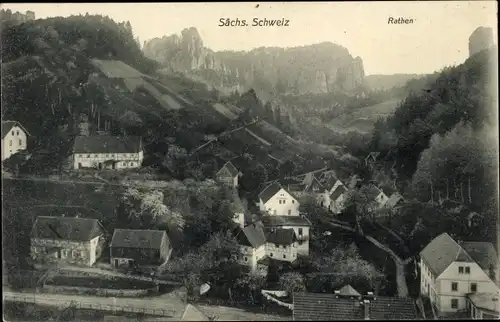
(12,133)
(284,256)
(460,269)
(95,155)
(473,287)
(20,142)
(284,201)
(64,253)
(293,201)
(289,211)
(246,259)
(271,254)
(10,142)
(454,286)
(131,164)
(454,303)
(88,155)
(300,231)
(17,133)
(467,270)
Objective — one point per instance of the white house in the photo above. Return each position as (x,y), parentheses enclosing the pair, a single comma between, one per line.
(252,245)
(334,194)
(276,201)
(107,152)
(228,174)
(14,138)
(449,271)
(300,225)
(282,244)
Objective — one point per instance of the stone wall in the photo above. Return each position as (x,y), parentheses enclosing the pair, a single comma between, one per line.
(98,291)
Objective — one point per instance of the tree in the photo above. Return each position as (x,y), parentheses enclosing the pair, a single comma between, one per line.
(146,209)
(251,283)
(344,265)
(292,282)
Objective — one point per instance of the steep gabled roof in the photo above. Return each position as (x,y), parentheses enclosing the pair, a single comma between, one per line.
(230,168)
(252,235)
(269,191)
(348,290)
(441,252)
(483,253)
(8,125)
(137,238)
(280,236)
(338,192)
(66,228)
(107,144)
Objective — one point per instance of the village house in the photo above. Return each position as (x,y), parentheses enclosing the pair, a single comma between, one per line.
(296,244)
(107,152)
(449,271)
(14,138)
(335,192)
(131,248)
(251,240)
(378,196)
(228,175)
(371,159)
(337,199)
(276,201)
(70,240)
(349,304)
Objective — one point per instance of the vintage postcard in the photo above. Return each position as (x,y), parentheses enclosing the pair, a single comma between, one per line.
(250,161)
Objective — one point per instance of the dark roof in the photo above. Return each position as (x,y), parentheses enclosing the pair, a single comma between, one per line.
(330,182)
(107,144)
(231,168)
(314,183)
(393,200)
(280,236)
(483,253)
(8,125)
(328,307)
(349,291)
(325,307)
(277,221)
(441,252)
(137,238)
(251,235)
(374,191)
(338,192)
(66,228)
(392,308)
(269,191)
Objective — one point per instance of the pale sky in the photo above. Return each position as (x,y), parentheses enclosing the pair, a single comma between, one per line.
(438,37)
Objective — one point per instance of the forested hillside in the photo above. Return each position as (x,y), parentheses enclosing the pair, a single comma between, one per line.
(442,139)
(46,67)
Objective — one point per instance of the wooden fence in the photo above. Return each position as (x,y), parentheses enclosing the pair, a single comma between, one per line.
(38,299)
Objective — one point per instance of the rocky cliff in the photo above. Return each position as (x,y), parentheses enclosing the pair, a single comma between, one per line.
(323,67)
(480,39)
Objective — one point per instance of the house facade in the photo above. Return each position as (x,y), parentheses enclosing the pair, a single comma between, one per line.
(299,224)
(139,248)
(449,271)
(275,200)
(107,152)
(251,241)
(228,175)
(14,138)
(70,240)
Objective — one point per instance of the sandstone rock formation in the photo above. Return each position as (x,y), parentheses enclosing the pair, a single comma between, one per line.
(480,39)
(315,68)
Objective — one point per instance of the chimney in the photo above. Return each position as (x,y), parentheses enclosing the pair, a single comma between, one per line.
(366,307)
